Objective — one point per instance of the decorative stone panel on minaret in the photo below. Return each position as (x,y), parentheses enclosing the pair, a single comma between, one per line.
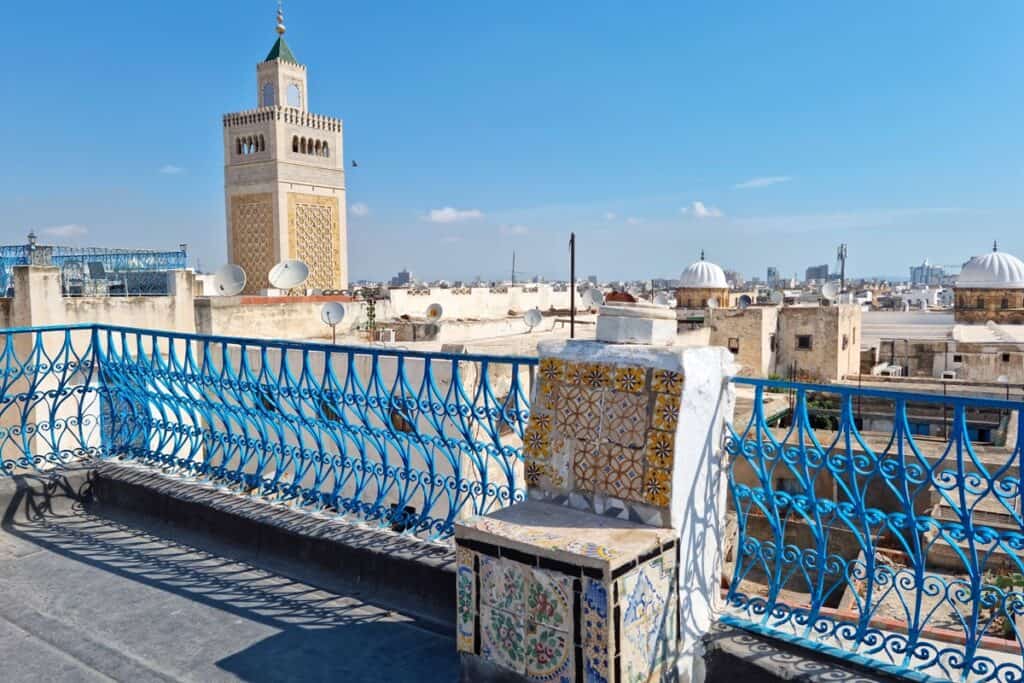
(271,152)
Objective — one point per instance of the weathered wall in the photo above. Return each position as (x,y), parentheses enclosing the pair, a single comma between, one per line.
(981,305)
(971,361)
(835,333)
(753,329)
(292,318)
(479,302)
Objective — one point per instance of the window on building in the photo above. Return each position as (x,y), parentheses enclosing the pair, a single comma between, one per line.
(268,94)
(846,341)
(734,344)
(963,302)
(1005,303)
(771,342)
(957,358)
(980,303)
(295,143)
(294,96)
(804,342)
(1006,358)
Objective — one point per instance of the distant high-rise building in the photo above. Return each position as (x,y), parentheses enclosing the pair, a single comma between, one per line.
(592,279)
(773,276)
(403,278)
(817,272)
(926,274)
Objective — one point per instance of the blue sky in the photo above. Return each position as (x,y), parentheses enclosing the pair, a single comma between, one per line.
(764,133)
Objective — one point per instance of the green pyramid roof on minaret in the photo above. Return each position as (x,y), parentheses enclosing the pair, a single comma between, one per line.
(281,50)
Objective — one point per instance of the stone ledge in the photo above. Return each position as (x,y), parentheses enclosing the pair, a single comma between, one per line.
(400,570)
(732,654)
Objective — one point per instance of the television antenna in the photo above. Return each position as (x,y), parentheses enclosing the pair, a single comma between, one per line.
(532,318)
(288,274)
(332,313)
(229,279)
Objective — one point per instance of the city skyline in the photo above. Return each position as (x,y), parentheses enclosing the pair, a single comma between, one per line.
(501,130)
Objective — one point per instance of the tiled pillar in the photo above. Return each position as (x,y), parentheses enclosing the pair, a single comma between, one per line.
(610,570)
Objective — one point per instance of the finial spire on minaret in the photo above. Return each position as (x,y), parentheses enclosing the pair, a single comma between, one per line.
(995,245)
(280,18)
(701,254)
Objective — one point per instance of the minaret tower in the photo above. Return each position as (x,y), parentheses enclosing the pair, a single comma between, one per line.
(284,178)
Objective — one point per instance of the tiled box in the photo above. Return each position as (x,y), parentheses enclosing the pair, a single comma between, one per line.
(556,594)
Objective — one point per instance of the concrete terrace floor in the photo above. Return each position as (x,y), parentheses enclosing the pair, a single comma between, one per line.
(96,596)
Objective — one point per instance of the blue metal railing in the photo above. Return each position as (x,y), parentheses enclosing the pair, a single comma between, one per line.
(858,536)
(405,438)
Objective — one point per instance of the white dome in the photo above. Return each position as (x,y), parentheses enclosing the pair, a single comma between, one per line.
(994,270)
(703,274)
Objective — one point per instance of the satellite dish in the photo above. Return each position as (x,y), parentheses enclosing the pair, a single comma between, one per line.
(1003,379)
(332,313)
(593,298)
(288,274)
(434,312)
(229,280)
(532,318)
(830,291)
(661,299)
(712,303)
(776,297)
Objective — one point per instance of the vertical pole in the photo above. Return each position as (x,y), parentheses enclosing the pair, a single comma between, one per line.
(572,285)
(513,267)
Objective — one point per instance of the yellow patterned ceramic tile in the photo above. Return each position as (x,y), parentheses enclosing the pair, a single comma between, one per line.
(666,412)
(551,370)
(544,422)
(630,379)
(574,372)
(597,376)
(533,470)
(537,443)
(667,382)
(660,448)
(657,483)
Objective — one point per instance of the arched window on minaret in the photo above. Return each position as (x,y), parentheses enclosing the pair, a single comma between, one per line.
(295,143)
(302,145)
(318,145)
(327,151)
(238,146)
(268,94)
(263,144)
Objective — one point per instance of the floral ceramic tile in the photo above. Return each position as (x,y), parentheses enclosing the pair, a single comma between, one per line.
(630,379)
(551,370)
(667,382)
(503,638)
(622,472)
(594,631)
(596,375)
(648,640)
(661,448)
(465,595)
(666,412)
(549,654)
(574,372)
(502,584)
(549,599)
(537,442)
(625,418)
(657,484)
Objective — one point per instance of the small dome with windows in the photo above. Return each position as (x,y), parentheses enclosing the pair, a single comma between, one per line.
(994,270)
(703,275)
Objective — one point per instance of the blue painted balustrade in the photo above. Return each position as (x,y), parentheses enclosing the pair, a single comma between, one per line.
(881,526)
(408,439)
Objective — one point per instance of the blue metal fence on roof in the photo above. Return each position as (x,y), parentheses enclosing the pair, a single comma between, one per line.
(406,439)
(892,549)
(875,543)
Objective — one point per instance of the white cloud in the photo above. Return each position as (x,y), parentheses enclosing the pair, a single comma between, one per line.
(764,181)
(451,239)
(514,230)
(171,169)
(862,219)
(610,216)
(70,230)
(449,214)
(359,209)
(701,210)
(633,220)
